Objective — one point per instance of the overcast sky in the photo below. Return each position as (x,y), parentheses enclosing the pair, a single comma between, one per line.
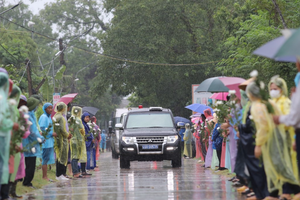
(34,7)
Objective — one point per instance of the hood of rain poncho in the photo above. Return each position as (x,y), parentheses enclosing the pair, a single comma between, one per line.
(5,120)
(38,97)
(93,119)
(208,114)
(253,91)
(76,111)
(32,103)
(23,98)
(3,70)
(279,82)
(61,107)
(86,126)
(45,106)
(15,94)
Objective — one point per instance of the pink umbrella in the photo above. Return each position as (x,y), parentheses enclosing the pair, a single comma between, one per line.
(66,99)
(233,83)
(195,120)
(220,96)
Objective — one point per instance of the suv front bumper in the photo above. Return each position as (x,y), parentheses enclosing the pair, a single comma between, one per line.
(165,151)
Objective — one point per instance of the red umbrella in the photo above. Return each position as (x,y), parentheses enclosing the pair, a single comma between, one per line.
(233,84)
(220,96)
(66,99)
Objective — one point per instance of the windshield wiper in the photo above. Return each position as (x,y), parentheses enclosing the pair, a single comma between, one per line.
(156,127)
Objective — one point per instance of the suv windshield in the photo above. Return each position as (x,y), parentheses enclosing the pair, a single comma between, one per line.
(149,120)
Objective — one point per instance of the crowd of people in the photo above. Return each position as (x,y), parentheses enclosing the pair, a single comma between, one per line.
(256,137)
(25,140)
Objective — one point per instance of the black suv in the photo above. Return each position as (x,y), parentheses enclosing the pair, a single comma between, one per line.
(149,134)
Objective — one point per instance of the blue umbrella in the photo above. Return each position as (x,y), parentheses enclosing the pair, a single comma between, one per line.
(182,119)
(196,107)
(270,49)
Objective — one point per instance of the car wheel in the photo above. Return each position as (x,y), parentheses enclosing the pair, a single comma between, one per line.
(124,163)
(177,162)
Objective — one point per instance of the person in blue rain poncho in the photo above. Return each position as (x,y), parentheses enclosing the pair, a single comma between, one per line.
(45,122)
(103,141)
(89,142)
(31,144)
(6,124)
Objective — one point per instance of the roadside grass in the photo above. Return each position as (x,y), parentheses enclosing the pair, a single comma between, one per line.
(38,182)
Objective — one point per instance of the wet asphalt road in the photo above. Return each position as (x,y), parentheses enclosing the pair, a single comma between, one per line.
(143,181)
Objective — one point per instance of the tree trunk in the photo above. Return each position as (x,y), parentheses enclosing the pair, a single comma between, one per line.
(280,14)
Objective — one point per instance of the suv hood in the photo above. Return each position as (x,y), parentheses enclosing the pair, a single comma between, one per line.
(150,132)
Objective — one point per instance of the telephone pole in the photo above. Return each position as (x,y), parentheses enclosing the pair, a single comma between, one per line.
(27,63)
(61,48)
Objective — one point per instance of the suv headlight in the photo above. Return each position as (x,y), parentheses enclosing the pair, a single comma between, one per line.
(172,139)
(129,140)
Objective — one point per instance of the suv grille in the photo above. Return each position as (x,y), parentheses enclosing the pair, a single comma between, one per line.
(150,140)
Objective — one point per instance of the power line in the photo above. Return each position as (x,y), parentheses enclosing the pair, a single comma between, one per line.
(110,56)
(9,53)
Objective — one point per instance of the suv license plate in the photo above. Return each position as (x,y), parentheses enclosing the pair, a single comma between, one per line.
(150,147)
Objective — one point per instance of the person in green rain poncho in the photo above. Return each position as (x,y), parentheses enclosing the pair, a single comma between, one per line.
(15,149)
(6,124)
(61,145)
(76,143)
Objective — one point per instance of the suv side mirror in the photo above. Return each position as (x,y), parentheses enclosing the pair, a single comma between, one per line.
(180,124)
(119,126)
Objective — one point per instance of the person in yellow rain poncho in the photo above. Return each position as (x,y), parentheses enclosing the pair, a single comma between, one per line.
(187,141)
(61,145)
(279,93)
(77,141)
(271,143)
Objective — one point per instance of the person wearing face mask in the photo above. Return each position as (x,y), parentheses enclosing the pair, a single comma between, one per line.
(292,117)
(278,93)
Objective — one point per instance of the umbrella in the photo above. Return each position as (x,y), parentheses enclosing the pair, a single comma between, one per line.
(182,119)
(196,107)
(270,49)
(91,110)
(195,120)
(212,85)
(66,99)
(233,84)
(195,115)
(291,46)
(220,96)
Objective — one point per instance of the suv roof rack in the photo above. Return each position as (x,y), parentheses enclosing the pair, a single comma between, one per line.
(155,109)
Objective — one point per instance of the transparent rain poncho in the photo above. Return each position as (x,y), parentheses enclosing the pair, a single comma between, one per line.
(6,124)
(15,114)
(272,139)
(284,105)
(77,130)
(61,145)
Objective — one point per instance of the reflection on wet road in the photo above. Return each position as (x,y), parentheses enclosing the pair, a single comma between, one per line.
(144,180)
